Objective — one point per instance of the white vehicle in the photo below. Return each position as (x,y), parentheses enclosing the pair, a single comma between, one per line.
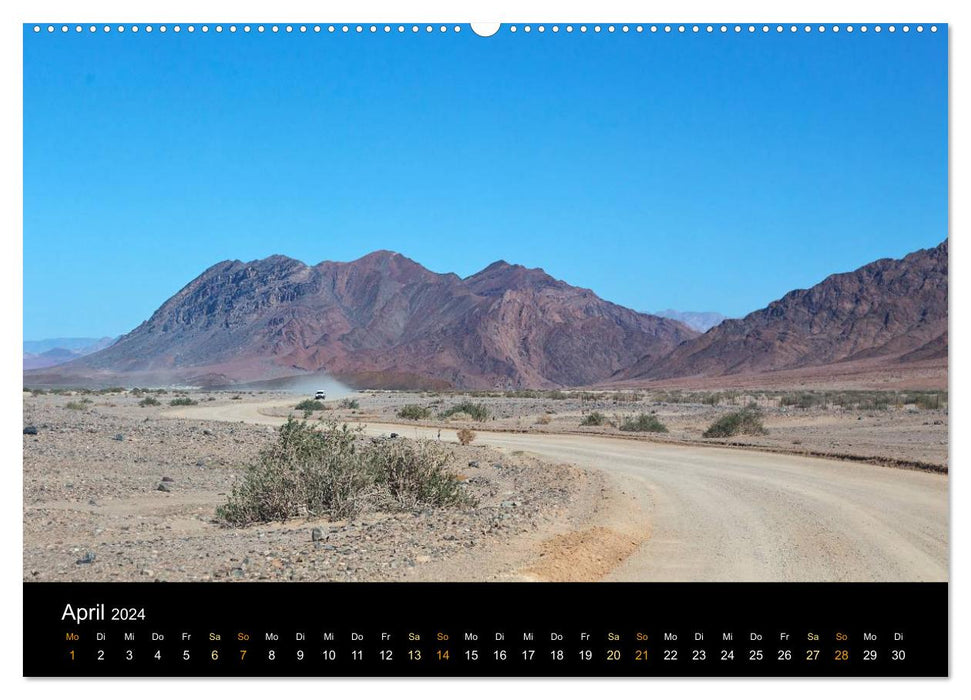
(320,396)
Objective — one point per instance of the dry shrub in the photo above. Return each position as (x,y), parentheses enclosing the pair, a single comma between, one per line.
(475,411)
(337,473)
(643,423)
(748,421)
(465,436)
(412,411)
(594,418)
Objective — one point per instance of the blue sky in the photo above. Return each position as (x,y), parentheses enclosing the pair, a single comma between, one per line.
(696,172)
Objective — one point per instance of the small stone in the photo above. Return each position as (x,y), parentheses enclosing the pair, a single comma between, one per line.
(30,430)
(316,535)
(88,558)
(474,464)
(164,488)
(168,479)
(119,437)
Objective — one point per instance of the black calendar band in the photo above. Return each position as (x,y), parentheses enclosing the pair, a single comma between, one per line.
(486,629)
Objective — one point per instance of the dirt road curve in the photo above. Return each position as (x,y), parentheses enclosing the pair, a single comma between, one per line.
(708,514)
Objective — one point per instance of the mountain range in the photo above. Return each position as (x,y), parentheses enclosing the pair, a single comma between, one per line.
(385,321)
(889,312)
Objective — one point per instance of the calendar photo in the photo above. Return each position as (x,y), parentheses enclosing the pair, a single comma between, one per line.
(326,306)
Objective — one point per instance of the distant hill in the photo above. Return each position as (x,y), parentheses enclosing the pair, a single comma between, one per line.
(51,352)
(887,313)
(35,347)
(382,320)
(700,321)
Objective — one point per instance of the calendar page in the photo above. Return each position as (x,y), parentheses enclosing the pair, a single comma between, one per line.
(520,349)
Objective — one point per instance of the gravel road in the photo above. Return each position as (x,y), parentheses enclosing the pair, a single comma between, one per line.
(710,514)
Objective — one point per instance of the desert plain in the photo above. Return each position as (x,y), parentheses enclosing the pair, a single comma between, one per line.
(838,486)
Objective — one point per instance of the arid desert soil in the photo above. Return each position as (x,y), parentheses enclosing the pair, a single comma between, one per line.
(565,503)
(93,509)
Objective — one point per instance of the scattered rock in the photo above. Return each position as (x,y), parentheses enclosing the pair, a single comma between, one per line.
(474,464)
(88,558)
(119,437)
(164,488)
(168,479)
(316,535)
(30,430)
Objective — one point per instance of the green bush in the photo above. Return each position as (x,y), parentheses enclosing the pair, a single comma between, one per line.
(349,403)
(476,411)
(643,423)
(594,418)
(308,406)
(76,405)
(149,401)
(413,411)
(748,421)
(182,401)
(336,473)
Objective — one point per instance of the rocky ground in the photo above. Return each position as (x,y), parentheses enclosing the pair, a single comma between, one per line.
(112,491)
